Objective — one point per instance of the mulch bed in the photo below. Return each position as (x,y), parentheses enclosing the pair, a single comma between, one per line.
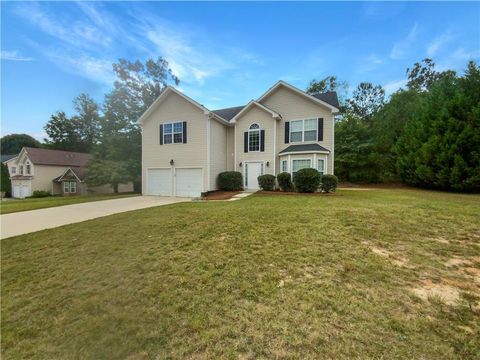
(220,195)
(277,192)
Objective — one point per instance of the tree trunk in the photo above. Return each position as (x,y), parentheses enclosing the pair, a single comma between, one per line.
(115,188)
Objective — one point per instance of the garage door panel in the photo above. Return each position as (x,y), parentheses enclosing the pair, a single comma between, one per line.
(189,182)
(159,182)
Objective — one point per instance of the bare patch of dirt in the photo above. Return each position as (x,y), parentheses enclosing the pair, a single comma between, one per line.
(445,293)
(220,195)
(440,240)
(394,259)
(457,261)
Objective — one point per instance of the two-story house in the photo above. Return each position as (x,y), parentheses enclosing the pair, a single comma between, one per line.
(185,145)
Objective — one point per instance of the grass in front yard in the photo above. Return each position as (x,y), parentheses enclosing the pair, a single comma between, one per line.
(16,205)
(358,275)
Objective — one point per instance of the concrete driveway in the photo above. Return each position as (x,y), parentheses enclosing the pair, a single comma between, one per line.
(34,220)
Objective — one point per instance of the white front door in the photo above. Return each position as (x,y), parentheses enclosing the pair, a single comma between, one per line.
(159,182)
(188,182)
(252,171)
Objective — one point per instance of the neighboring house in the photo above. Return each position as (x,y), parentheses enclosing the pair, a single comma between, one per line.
(56,171)
(185,145)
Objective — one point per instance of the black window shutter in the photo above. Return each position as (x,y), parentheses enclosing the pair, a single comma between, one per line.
(245,141)
(320,129)
(161,134)
(262,140)
(184,132)
(287,132)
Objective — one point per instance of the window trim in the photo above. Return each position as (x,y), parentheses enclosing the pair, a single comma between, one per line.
(14,169)
(286,165)
(172,134)
(324,163)
(250,131)
(291,168)
(21,169)
(28,169)
(303,130)
(68,186)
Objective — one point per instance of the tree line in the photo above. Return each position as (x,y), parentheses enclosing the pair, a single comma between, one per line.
(426,134)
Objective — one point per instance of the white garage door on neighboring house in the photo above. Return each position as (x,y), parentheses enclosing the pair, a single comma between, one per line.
(16,191)
(25,191)
(188,182)
(20,190)
(159,182)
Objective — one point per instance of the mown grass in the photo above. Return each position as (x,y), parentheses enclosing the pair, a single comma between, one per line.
(16,205)
(268,276)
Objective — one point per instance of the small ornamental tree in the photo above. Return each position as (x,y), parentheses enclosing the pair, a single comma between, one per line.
(307,180)
(230,181)
(266,182)
(5,186)
(105,172)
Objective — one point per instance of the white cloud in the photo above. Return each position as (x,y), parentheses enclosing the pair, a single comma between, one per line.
(401,47)
(370,63)
(439,42)
(14,56)
(465,55)
(394,85)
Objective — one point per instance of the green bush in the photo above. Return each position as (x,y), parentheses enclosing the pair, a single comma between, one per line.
(40,194)
(230,181)
(285,181)
(329,183)
(307,180)
(266,182)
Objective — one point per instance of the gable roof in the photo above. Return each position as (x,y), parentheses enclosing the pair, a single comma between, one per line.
(5,158)
(329,97)
(228,113)
(274,114)
(57,157)
(304,148)
(300,92)
(78,173)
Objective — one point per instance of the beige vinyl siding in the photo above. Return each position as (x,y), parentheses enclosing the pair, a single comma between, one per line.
(230,148)
(218,151)
(44,175)
(293,106)
(192,154)
(267,123)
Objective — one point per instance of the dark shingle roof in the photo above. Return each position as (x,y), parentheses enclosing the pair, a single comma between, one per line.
(304,147)
(6,157)
(329,97)
(228,113)
(79,172)
(57,157)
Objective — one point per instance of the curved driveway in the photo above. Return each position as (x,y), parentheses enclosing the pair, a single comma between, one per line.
(35,220)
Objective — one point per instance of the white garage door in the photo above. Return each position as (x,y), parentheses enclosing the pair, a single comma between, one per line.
(159,182)
(16,191)
(188,182)
(25,191)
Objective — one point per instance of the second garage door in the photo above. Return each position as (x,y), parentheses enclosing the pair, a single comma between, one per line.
(188,182)
(159,182)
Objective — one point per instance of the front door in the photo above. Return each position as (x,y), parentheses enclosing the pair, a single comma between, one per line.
(252,171)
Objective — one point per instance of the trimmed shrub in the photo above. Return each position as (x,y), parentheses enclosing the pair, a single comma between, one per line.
(329,183)
(307,180)
(285,181)
(230,181)
(266,182)
(40,194)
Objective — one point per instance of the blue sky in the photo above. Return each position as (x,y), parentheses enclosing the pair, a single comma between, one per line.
(224,53)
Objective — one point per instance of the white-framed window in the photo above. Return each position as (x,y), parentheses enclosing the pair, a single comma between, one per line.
(321,166)
(299,164)
(69,187)
(173,133)
(14,170)
(28,169)
(284,165)
(254,138)
(21,169)
(303,130)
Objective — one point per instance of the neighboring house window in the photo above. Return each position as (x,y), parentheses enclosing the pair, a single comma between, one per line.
(69,186)
(173,133)
(284,166)
(303,130)
(254,138)
(14,170)
(321,166)
(21,169)
(300,164)
(28,169)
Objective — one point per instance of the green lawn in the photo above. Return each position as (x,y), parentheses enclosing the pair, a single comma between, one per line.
(355,275)
(16,205)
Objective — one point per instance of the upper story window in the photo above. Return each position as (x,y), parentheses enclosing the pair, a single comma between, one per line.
(14,170)
(173,133)
(254,138)
(303,130)
(21,169)
(28,169)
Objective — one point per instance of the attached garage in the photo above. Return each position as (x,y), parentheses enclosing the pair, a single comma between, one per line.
(21,189)
(188,182)
(159,182)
